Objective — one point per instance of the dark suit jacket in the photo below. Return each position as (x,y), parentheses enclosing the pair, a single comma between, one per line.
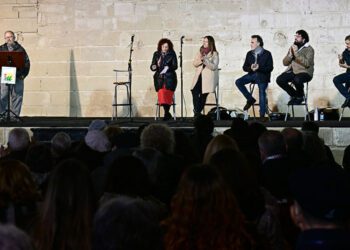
(265,65)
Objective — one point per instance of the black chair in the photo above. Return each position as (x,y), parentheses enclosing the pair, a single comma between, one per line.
(342,110)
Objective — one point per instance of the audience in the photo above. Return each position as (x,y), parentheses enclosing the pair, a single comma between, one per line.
(256,189)
(205,214)
(18,194)
(65,220)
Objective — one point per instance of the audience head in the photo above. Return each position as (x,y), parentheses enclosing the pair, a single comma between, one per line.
(66,217)
(16,184)
(346,158)
(218,143)
(112,132)
(314,149)
(97,141)
(271,143)
(39,159)
(12,238)
(203,125)
(293,139)
(310,126)
(18,139)
(126,223)
(60,144)
(128,176)
(97,125)
(158,136)
(322,198)
(204,213)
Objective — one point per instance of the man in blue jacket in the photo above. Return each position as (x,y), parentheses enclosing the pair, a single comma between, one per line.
(339,80)
(259,65)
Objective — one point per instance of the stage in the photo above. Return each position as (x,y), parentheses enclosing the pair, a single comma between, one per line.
(335,134)
(127,123)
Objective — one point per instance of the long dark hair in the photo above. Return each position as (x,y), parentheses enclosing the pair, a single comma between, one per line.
(211,44)
(163,41)
(66,218)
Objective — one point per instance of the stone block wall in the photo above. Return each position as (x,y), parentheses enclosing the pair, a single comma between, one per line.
(74,45)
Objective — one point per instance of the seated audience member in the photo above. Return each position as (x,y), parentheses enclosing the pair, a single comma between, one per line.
(61,145)
(40,163)
(12,238)
(218,143)
(275,165)
(294,143)
(169,167)
(321,208)
(204,214)
(241,133)
(126,223)
(92,150)
(65,220)
(310,126)
(18,194)
(17,145)
(261,210)
(203,133)
(185,149)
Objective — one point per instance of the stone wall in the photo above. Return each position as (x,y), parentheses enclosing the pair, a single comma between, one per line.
(74,45)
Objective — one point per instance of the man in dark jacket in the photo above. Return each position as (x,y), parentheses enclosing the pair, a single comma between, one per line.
(16,91)
(339,80)
(259,64)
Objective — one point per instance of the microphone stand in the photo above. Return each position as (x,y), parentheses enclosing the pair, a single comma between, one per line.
(182,77)
(130,71)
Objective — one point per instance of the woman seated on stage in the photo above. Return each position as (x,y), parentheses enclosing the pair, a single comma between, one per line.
(164,63)
(206,77)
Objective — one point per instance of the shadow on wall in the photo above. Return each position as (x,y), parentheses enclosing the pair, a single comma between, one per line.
(74,101)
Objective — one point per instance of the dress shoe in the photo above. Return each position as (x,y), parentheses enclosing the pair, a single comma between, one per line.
(346,103)
(249,103)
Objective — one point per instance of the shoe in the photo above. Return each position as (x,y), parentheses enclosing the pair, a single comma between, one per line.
(346,103)
(167,116)
(249,103)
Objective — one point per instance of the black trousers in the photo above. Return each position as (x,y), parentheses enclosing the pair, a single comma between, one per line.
(298,81)
(198,98)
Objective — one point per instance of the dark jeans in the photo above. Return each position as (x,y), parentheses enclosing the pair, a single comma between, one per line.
(199,99)
(339,81)
(249,78)
(298,81)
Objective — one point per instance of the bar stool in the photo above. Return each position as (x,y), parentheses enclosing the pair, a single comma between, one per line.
(342,110)
(127,85)
(157,115)
(216,98)
(251,91)
(303,103)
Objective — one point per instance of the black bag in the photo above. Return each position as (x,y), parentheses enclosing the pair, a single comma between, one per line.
(224,113)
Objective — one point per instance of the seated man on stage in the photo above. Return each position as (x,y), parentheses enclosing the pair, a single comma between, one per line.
(339,80)
(300,62)
(16,94)
(259,64)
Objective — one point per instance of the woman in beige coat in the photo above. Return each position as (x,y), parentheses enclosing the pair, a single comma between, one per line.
(206,75)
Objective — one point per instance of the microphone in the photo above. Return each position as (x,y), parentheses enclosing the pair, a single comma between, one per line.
(132,37)
(182,37)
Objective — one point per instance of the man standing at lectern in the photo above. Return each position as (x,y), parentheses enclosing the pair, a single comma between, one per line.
(16,94)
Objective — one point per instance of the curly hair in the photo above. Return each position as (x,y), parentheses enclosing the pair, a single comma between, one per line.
(205,214)
(163,41)
(158,136)
(16,183)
